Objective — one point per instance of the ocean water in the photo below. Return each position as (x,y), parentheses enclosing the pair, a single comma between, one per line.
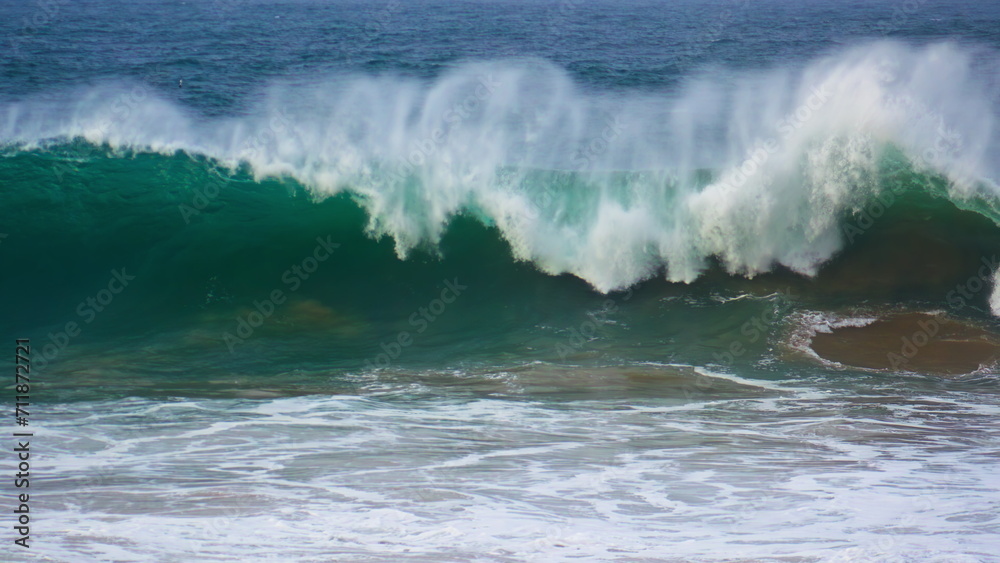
(512,281)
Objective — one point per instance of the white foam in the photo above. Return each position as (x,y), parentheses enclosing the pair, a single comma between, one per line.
(807,475)
(995,294)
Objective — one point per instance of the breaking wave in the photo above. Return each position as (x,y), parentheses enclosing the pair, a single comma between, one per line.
(751,170)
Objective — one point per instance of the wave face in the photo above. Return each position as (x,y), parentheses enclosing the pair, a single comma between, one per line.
(758,169)
(752,170)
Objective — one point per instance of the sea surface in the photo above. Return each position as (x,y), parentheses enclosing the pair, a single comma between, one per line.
(503,281)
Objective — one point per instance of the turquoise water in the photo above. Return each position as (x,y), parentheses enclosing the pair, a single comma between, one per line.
(498,282)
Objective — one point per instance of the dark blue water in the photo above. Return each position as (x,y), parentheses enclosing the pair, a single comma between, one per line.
(227,51)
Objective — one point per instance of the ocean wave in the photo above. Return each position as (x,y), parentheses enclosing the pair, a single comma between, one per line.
(752,169)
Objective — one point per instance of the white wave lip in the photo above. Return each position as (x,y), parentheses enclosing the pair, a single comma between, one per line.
(792,151)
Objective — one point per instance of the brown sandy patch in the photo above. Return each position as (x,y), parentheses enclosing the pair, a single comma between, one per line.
(918,342)
(293,315)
